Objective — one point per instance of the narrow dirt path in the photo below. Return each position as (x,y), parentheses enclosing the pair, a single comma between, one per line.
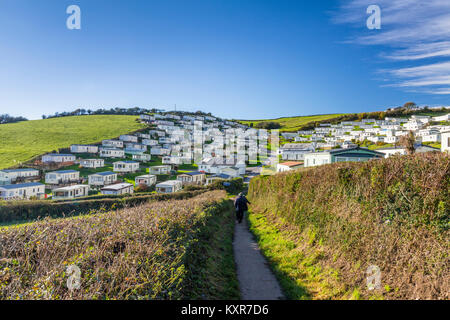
(256,280)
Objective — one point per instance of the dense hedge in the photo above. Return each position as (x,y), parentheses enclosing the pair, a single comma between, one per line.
(393,213)
(176,249)
(31,210)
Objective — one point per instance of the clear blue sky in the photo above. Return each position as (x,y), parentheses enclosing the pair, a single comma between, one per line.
(244,59)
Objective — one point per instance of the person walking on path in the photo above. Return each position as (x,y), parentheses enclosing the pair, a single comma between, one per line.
(240,205)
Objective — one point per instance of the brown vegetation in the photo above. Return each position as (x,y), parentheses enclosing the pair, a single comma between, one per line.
(146,252)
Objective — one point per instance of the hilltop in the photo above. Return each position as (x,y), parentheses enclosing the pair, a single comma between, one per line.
(23,141)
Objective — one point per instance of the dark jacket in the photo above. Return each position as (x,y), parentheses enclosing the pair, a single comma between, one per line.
(241,203)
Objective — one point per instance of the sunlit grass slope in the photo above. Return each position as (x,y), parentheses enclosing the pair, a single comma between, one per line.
(22,141)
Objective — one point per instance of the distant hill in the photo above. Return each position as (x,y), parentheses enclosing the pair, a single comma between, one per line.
(288,124)
(23,141)
(292,123)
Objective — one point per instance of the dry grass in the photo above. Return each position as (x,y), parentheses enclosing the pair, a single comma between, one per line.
(134,253)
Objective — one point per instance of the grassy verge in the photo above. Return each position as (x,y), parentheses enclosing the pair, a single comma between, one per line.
(295,258)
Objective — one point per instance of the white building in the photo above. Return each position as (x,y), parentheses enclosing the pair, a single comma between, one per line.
(8,176)
(62,176)
(92,163)
(164,169)
(288,166)
(388,152)
(112,153)
(79,148)
(71,192)
(128,138)
(142,157)
(125,166)
(445,142)
(102,178)
(112,143)
(22,191)
(169,186)
(118,189)
(58,158)
(148,180)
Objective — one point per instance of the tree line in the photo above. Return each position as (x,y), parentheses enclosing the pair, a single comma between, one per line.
(112,111)
(6,118)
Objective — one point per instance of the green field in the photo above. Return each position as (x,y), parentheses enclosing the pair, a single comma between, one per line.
(293,123)
(23,141)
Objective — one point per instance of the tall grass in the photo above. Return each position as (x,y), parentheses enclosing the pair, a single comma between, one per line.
(392,213)
(154,251)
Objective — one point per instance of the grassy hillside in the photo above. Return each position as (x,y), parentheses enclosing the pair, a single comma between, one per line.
(293,123)
(176,249)
(322,228)
(22,141)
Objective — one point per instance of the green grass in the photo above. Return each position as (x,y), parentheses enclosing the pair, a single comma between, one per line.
(293,123)
(295,259)
(20,142)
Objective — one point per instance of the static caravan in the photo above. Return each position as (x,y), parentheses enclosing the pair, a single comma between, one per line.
(160,169)
(221,176)
(289,165)
(142,157)
(112,153)
(150,142)
(22,191)
(126,166)
(118,189)
(8,176)
(4,178)
(92,163)
(58,158)
(133,151)
(128,138)
(148,179)
(79,148)
(71,192)
(102,178)
(112,143)
(194,177)
(137,146)
(62,176)
(169,186)
(159,151)
(445,141)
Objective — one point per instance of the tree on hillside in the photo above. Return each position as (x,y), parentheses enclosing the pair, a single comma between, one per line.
(409,105)
(407,141)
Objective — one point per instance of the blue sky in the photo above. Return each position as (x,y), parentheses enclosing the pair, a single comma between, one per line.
(245,59)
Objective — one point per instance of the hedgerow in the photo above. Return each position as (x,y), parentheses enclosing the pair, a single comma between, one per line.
(173,249)
(392,213)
